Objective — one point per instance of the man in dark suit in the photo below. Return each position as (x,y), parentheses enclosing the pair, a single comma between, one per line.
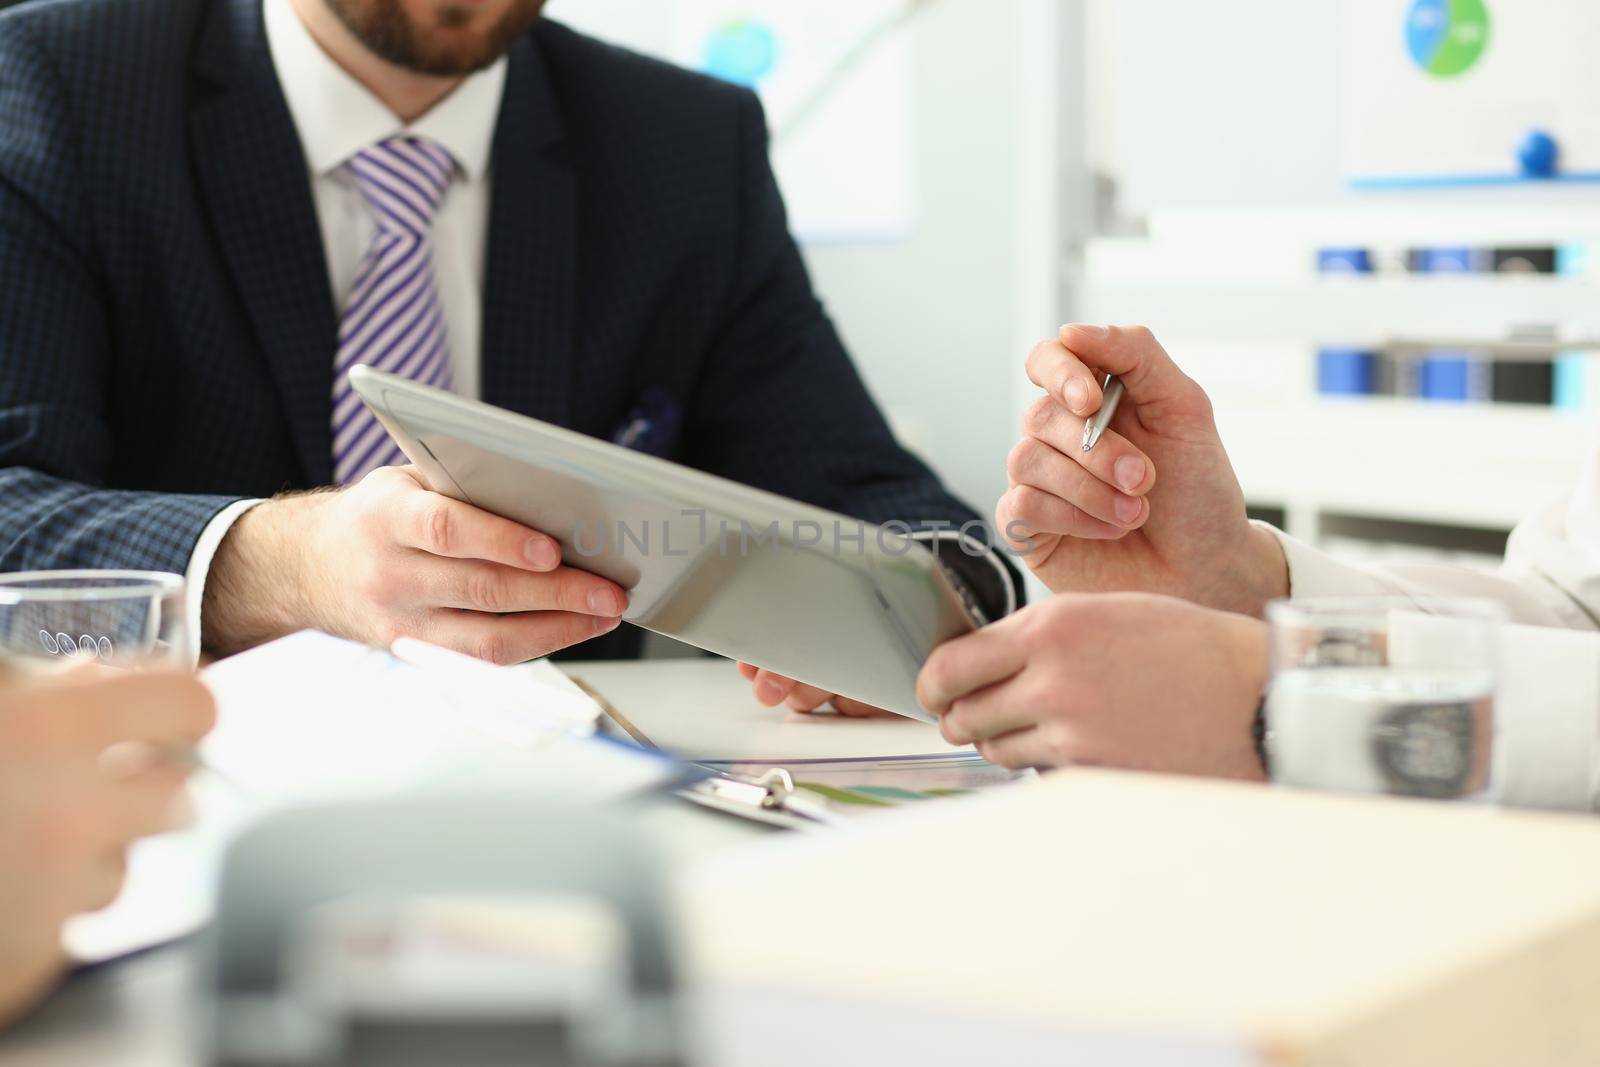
(211,209)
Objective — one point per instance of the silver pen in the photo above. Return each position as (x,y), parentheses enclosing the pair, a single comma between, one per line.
(1111,390)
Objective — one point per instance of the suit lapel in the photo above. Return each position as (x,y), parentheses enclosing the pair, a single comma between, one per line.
(530,287)
(254,179)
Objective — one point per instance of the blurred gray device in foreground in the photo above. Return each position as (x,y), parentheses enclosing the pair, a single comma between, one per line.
(409,932)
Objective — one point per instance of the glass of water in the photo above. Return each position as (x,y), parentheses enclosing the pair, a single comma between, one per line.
(1379,695)
(51,620)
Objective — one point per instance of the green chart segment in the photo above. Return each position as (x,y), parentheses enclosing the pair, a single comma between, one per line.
(1447,37)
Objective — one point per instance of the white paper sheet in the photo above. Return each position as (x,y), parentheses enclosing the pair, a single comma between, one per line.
(312,718)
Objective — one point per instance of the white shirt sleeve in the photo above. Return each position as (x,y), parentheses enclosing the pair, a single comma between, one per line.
(1549,718)
(205,548)
(1557,550)
(1528,594)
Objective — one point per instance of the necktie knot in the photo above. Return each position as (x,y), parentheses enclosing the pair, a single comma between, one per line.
(403,178)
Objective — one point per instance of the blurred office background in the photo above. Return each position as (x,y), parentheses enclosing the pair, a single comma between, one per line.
(1338,217)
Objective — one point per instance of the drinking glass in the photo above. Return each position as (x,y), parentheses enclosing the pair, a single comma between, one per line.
(1384,695)
(52,620)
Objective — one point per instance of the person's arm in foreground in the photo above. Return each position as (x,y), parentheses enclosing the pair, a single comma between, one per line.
(87,765)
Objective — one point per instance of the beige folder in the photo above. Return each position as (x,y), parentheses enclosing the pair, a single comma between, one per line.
(1106,918)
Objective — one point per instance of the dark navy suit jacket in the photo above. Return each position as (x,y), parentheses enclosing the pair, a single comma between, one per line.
(167,330)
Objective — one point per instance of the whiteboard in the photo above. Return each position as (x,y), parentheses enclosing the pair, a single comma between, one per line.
(1441,92)
(835,77)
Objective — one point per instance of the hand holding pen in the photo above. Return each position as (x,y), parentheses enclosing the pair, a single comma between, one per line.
(1085,493)
(1071,474)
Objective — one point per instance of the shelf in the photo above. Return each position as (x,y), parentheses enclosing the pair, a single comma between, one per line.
(1519,216)
(1345,310)
(1450,464)
(1236,298)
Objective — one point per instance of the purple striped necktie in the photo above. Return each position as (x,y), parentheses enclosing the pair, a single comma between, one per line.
(393,319)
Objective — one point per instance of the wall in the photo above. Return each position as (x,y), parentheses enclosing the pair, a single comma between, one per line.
(1229,102)
(933,320)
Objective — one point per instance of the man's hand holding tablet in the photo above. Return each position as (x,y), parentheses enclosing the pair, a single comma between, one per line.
(387,558)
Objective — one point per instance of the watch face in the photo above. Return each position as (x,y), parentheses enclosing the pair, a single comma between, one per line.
(1434,749)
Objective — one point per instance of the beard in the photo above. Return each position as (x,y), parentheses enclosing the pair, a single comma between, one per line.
(387,31)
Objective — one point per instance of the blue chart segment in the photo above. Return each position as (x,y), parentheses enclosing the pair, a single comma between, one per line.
(1447,37)
(1425,29)
(743,51)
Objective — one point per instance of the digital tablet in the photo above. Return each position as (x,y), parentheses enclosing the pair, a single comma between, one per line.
(847,606)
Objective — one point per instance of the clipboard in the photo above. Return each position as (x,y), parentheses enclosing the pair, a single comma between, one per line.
(830,793)
(772,798)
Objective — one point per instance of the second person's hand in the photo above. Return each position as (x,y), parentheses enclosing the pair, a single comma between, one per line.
(1124,680)
(775,689)
(1155,506)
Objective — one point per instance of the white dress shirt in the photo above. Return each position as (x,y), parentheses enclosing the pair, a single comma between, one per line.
(1549,700)
(336,116)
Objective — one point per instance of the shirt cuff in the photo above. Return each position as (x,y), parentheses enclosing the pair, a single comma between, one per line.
(205,548)
(980,566)
(1549,718)
(1313,573)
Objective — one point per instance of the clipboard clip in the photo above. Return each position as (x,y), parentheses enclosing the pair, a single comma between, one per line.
(771,798)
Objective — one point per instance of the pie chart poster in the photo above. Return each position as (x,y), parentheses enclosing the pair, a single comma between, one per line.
(1443,92)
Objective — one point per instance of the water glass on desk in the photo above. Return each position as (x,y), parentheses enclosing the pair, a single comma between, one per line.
(55,620)
(1380,695)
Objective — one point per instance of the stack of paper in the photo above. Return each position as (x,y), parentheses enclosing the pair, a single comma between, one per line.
(313,718)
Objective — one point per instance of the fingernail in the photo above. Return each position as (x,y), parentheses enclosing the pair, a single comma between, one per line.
(1130,472)
(1127,508)
(1077,395)
(541,553)
(606,602)
(1087,328)
(769,692)
(605,626)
